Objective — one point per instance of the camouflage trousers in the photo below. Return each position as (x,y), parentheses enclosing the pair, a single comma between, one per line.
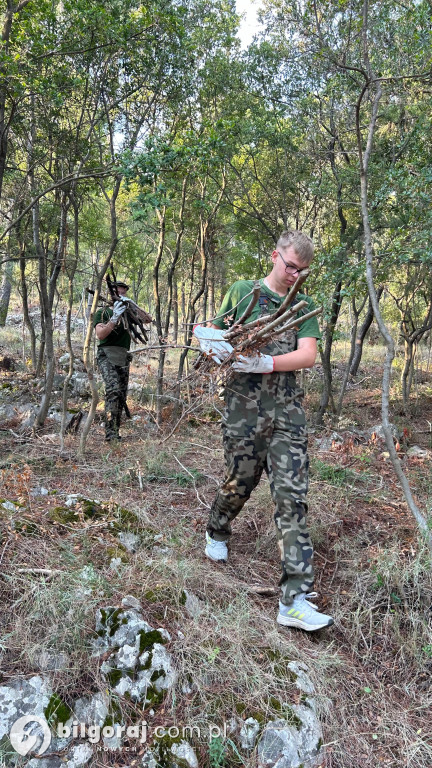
(264,428)
(116,380)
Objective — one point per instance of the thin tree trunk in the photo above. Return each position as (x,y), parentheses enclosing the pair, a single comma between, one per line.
(405,377)
(204,304)
(187,336)
(356,314)
(411,341)
(164,331)
(175,311)
(327,393)
(48,295)
(5,292)
(26,313)
(366,324)
(158,316)
(204,243)
(175,258)
(369,254)
(87,310)
(172,284)
(183,302)
(41,354)
(47,347)
(21,241)
(71,275)
(412,370)
(212,306)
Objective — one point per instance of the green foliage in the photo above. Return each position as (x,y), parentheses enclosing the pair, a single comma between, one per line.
(334,475)
(217,752)
(213,654)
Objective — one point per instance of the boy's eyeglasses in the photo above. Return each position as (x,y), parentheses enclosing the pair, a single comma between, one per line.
(291,268)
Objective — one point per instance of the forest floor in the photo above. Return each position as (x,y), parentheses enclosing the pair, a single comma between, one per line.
(372,669)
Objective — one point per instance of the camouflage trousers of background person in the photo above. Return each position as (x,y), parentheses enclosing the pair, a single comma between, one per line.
(264,428)
(116,380)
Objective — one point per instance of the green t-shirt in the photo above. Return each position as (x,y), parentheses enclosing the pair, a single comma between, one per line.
(268,302)
(119,336)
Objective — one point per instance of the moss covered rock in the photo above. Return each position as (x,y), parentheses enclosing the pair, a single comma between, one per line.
(122,522)
(140,667)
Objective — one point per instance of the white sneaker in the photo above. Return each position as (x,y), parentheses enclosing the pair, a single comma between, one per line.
(216,550)
(303,615)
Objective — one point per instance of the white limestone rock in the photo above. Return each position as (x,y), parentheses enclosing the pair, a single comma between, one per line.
(248,733)
(303,681)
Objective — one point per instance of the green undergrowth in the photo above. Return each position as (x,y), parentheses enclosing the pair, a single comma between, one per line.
(165,593)
(337,475)
(117,518)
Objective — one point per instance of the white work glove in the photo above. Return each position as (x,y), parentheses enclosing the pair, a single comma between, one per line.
(212,342)
(254,364)
(118,309)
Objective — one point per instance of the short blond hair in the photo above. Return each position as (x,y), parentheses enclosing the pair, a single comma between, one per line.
(301,243)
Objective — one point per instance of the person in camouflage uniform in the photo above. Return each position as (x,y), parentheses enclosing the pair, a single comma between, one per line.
(264,429)
(113,359)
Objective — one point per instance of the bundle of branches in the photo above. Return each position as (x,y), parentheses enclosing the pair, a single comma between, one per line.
(134,317)
(249,338)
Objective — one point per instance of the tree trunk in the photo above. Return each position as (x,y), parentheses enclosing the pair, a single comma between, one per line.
(412,373)
(5,292)
(71,275)
(47,343)
(192,308)
(366,324)
(212,303)
(356,315)
(369,254)
(204,304)
(175,258)
(327,394)
(158,316)
(412,337)
(26,313)
(48,295)
(41,354)
(405,376)
(163,326)
(205,235)
(183,302)
(87,310)
(187,335)
(175,311)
